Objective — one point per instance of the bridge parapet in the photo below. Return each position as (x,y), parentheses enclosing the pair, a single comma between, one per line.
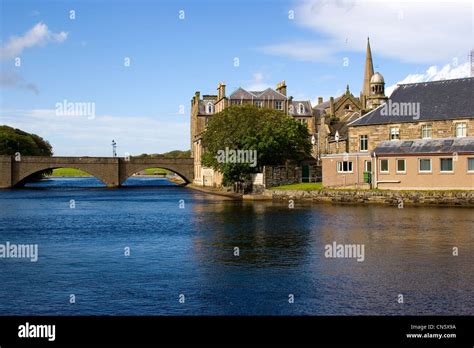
(112,171)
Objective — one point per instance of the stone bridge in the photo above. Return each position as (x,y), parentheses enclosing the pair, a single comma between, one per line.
(112,171)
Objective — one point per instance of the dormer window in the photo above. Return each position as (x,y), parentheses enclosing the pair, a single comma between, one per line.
(209,108)
(301,109)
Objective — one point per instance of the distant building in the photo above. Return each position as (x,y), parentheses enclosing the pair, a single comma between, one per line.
(202,109)
(421,138)
(333,116)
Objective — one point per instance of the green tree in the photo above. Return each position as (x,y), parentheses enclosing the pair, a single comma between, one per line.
(275,136)
(14,140)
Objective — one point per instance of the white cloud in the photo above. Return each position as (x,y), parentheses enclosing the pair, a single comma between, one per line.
(420,31)
(80,136)
(36,36)
(257,83)
(433,73)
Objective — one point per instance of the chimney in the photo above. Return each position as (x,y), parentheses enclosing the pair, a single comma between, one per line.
(220,91)
(281,87)
(331,106)
(320,100)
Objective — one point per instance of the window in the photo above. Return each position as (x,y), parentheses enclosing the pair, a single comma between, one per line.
(301,109)
(424,165)
(394,133)
(236,102)
(384,166)
(344,167)
(470,164)
(461,130)
(401,166)
(303,121)
(368,166)
(209,108)
(363,142)
(446,164)
(258,103)
(206,121)
(426,131)
(347,107)
(278,105)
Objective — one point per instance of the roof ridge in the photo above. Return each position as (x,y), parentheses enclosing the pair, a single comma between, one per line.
(435,81)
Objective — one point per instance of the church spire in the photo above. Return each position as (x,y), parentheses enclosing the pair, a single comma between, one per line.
(369,70)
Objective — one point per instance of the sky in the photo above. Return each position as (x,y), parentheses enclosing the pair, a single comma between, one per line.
(138,63)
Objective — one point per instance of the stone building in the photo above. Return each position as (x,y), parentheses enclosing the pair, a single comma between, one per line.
(422,137)
(202,109)
(334,114)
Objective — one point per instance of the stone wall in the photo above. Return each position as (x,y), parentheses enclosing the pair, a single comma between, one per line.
(281,175)
(394,198)
(408,130)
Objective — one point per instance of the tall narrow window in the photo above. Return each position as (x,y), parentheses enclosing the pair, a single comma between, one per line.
(426,131)
(363,143)
(258,103)
(209,108)
(461,129)
(301,109)
(278,105)
(394,133)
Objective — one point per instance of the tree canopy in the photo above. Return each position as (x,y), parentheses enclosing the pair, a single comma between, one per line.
(15,140)
(276,137)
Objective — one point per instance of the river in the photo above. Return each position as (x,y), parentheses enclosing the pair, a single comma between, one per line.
(183,259)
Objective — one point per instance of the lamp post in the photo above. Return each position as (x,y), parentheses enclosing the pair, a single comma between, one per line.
(114,148)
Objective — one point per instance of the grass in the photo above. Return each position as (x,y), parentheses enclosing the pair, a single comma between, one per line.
(152,171)
(308,186)
(69,172)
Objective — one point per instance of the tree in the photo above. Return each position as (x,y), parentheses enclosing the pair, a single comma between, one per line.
(275,136)
(15,140)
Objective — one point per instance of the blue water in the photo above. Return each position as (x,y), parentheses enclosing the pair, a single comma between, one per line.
(190,251)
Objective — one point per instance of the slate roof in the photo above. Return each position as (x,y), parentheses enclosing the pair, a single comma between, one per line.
(438,100)
(426,146)
(268,93)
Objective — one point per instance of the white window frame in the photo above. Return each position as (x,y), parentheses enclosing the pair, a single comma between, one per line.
(301,108)
(419,165)
(467,165)
(426,127)
(366,162)
(258,104)
(380,166)
(367,143)
(278,105)
(404,166)
(340,166)
(463,128)
(452,165)
(394,131)
(209,108)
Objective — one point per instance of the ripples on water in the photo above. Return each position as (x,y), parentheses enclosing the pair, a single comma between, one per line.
(190,251)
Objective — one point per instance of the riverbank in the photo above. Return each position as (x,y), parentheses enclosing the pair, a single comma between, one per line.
(387,197)
(216,191)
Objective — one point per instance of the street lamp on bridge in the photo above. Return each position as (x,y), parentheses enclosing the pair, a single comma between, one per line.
(114,148)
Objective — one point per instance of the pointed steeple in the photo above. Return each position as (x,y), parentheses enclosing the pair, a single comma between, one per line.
(369,70)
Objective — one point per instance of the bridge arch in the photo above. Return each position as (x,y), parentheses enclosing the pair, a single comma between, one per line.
(135,168)
(25,176)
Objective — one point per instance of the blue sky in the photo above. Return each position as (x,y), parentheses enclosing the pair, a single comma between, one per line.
(302,42)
